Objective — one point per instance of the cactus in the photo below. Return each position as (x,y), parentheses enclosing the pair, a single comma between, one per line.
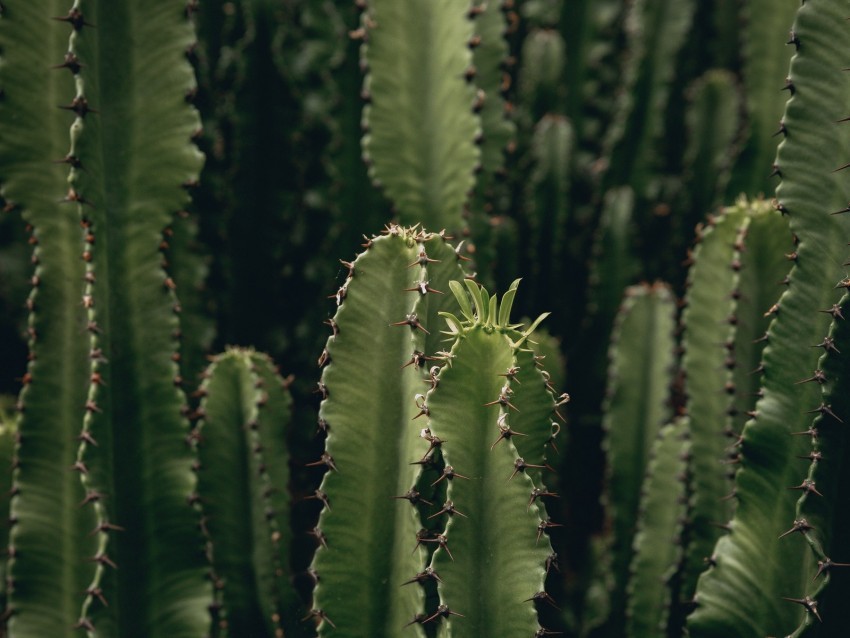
(761,547)
(242,479)
(637,406)
(658,543)
(101,393)
(421,128)
(372,435)
(377,452)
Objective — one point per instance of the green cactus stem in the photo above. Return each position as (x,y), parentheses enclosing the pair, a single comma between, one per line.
(658,541)
(379,358)
(242,482)
(493,410)
(763,561)
(637,405)
(421,127)
(123,502)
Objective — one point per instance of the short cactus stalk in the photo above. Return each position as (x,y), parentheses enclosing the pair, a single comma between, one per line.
(242,483)
(421,126)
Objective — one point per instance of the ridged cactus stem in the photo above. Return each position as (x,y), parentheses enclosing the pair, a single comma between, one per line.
(762,567)
(378,359)
(493,555)
(245,411)
(130,153)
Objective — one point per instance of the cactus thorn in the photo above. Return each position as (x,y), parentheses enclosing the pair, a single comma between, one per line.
(449,474)
(320,616)
(413,496)
(448,508)
(441,540)
(319,495)
(807,485)
(835,311)
(413,321)
(825,409)
(327,460)
(818,376)
(520,466)
(828,344)
(319,535)
(542,595)
(800,525)
(538,492)
(810,604)
(442,610)
(826,564)
(543,526)
(427,574)
(75,19)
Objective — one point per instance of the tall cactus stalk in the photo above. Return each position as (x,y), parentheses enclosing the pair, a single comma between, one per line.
(493,555)
(386,332)
(109,546)
(763,572)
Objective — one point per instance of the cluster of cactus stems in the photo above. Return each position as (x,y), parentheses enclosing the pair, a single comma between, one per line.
(138,509)
(457,435)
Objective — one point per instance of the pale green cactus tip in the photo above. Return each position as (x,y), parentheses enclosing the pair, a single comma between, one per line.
(485,310)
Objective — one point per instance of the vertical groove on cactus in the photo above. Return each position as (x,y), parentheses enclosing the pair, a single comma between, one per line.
(421,127)
(492,555)
(658,542)
(763,560)
(637,405)
(50,542)
(386,332)
(244,410)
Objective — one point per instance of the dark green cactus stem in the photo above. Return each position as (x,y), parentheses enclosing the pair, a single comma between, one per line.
(738,266)
(658,542)
(656,30)
(8,443)
(549,202)
(493,411)
(34,134)
(386,331)
(763,561)
(124,502)
(766,252)
(764,39)
(637,405)
(713,122)
(489,56)
(540,88)
(242,482)
(421,127)
(709,324)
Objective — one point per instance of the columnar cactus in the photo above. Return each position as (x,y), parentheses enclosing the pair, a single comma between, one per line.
(105,540)
(370,578)
(764,580)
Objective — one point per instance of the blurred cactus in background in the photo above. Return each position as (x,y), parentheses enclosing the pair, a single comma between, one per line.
(665,455)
